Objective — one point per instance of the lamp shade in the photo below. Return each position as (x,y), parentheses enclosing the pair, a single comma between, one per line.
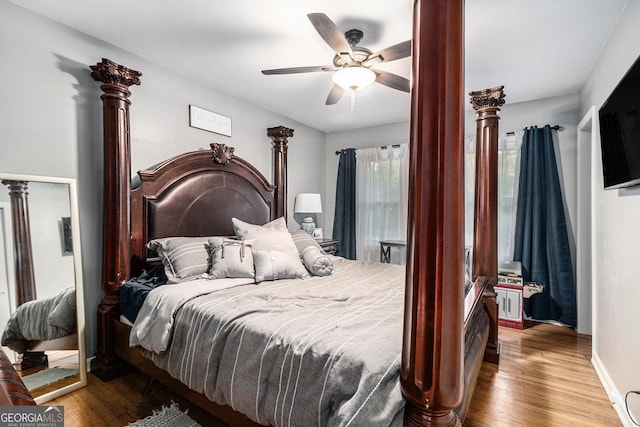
(308,203)
(354,77)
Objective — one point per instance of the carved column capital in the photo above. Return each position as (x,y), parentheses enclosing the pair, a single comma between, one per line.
(279,134)
(493,97)
(109,72)
(16,188)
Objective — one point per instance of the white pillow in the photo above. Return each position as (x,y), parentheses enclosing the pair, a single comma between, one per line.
(230,258)
(274,265)
(303,240)
(316,261)
(240,227)
(272,236)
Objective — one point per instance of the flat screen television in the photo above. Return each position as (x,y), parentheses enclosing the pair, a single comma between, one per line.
(620,132)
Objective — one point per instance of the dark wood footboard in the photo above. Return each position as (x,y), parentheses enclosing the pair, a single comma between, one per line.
(477,328)
(133,357)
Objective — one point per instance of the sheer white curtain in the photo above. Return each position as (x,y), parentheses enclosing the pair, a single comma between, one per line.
(508,172)
(382,181)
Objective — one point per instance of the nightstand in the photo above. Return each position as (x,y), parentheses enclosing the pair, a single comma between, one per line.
(330,246)
(510,305)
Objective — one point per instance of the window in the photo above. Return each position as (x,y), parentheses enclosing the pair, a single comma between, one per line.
(508,170)
(382,181)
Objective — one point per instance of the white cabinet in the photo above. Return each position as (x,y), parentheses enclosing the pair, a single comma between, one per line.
(510,306)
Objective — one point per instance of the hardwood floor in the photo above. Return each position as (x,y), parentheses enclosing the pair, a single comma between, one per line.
(545,379)
(122,401)
(57,359)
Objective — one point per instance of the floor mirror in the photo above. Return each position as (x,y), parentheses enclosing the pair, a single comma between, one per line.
(41,291)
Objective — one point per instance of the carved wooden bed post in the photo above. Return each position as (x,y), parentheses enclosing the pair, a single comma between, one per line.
(23,263)
(432,355)
(116,80)
(25,277)
(279,135)
(487,103)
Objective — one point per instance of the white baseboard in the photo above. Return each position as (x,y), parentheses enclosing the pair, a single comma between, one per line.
(616,399)
(89,359)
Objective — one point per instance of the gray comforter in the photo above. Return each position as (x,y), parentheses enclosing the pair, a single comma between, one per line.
(320,351)
(43,319)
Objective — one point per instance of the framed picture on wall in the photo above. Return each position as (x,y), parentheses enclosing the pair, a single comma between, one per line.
(67,242)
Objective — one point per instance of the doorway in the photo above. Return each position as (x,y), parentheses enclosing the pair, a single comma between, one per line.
(588,137)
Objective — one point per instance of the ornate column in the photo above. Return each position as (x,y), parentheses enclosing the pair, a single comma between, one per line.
(432,357)
(116,257)
(279,136)
(23,263)
(487,103)
(25,277)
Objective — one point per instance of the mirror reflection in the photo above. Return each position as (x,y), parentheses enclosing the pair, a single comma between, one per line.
(42,316)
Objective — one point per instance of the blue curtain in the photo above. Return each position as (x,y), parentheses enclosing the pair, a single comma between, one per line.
(344,220)
(541,240)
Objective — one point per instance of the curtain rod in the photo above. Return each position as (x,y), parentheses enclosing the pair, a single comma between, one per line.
(554,127)
(384,147)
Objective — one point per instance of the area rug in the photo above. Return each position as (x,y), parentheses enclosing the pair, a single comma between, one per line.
(167,416)
(47,376)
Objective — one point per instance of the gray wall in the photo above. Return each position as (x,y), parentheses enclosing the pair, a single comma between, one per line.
(51,123)
(616,233)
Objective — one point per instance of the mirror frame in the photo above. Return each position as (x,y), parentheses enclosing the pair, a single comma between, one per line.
(77,261)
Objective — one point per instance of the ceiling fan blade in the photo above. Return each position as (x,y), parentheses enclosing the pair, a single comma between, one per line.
(334,95)
(393,81)
(330,33)
(295,70)
(391,53)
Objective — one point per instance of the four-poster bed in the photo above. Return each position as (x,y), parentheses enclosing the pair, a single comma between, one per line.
(446,333)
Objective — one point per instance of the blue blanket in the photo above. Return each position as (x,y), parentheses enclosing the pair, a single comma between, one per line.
(135,291)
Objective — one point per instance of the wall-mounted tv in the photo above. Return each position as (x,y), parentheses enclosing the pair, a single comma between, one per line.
(620,132)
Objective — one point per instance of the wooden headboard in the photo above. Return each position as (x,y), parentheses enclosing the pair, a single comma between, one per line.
(175,198)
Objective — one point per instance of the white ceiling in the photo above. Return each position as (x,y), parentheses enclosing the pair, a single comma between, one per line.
(535,48)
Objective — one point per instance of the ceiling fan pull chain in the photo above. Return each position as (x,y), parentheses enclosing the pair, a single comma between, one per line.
(353,99)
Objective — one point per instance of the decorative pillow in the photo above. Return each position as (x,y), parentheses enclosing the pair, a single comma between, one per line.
(183,257)
(241,227)
(303,240)
(274,265)
(272,236)
(316,261)
(230,258)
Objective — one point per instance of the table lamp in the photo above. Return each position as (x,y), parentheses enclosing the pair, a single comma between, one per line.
(308,203)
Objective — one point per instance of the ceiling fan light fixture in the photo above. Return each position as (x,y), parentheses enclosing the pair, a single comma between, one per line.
(354,77)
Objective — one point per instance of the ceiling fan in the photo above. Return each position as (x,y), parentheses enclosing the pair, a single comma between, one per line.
(352,64)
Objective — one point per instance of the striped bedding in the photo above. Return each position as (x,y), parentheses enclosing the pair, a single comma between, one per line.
(321,351)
